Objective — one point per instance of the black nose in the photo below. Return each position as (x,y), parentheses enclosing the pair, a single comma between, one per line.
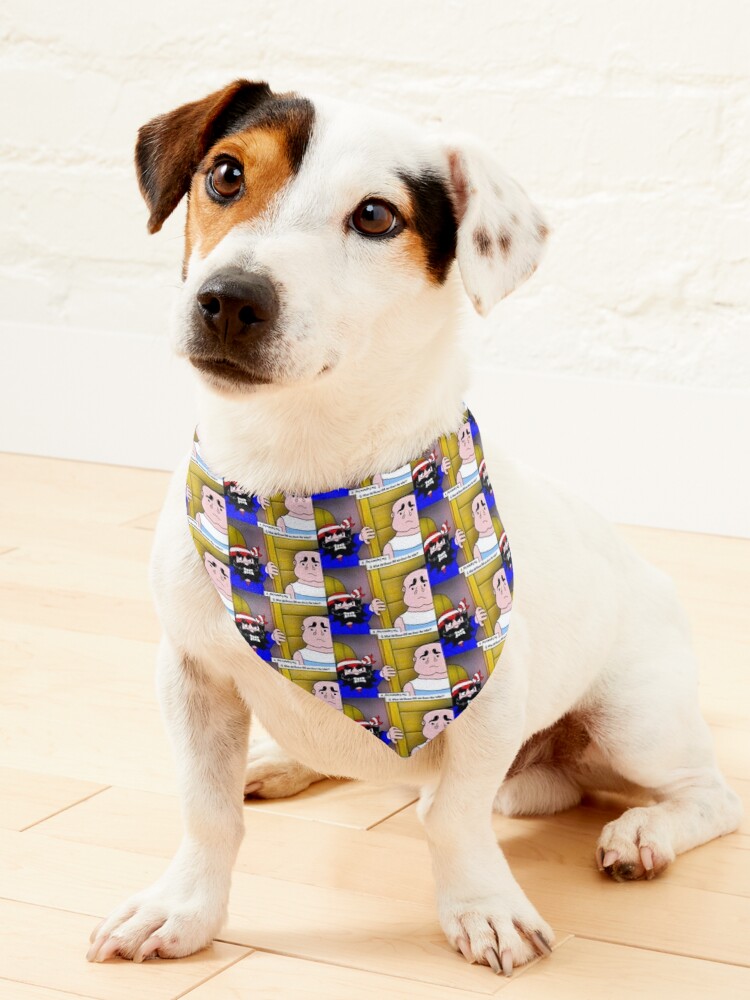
(233,304)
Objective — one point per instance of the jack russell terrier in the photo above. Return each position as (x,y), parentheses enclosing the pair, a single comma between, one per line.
(343,569)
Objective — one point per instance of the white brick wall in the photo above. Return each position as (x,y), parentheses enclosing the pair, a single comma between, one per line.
(628,122)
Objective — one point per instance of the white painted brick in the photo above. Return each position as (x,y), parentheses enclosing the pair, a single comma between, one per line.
(630,124)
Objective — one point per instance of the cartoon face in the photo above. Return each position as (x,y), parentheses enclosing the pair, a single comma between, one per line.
(417,591)
(481,513)
(307,567)
(429,660)
(328,691)
(434,722)
(219,574)
(404,516)
(300,505)
(466,443)
(503,597)
(214,507)
(316,631)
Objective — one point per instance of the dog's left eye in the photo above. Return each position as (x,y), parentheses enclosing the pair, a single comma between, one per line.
(224,182)
(375,217)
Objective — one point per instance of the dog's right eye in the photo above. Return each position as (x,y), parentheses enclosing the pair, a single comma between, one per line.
(224,180)
(375,217)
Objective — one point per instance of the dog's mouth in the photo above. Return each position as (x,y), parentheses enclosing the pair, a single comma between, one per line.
(227,372)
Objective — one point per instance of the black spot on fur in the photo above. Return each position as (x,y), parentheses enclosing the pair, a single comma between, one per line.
(434,219)
(482,242)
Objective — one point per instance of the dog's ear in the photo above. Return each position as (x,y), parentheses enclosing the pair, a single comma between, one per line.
(501,234)
(170,147)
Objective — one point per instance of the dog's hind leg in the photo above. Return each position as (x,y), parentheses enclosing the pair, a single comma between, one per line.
(272,774)
(652,733)
(184,909)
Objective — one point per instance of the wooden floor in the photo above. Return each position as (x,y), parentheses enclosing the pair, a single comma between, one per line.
(332,895)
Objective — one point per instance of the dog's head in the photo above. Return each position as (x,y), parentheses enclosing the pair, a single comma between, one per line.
(311,225)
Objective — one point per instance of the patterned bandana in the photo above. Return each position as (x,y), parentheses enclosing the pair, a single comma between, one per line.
(389,601)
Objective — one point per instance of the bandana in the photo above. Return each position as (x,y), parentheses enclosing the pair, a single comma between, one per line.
(389,601)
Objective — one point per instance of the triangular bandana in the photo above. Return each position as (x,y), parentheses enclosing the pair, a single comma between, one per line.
(389,601)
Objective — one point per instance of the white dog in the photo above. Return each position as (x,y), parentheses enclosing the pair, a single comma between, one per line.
(320,308)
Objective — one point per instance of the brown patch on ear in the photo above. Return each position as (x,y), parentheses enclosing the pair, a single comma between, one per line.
(170,147)
(458,183)
(263,152)
(542,231)
(482,242)
(504,241)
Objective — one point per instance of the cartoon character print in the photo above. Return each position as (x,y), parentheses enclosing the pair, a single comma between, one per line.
(218,574)
(253,626)
(465,691)
(359,675)
(419,613)
(317,650)
(339,534)
(406,540)
(487,545)
(468,471)
(457,624)
(249,571)
(348,609)
(503,599)
(427,478)
(433,723)
(212,520)
(432,673)
(299,519)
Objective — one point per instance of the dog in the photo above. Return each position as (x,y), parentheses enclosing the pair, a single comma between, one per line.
(327,251)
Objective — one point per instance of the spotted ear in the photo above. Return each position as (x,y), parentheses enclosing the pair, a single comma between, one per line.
(501,234)
(170,147)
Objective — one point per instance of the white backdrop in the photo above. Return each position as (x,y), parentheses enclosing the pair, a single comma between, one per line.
(625,361)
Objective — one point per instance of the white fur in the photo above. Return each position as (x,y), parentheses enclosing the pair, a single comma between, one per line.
(595,629)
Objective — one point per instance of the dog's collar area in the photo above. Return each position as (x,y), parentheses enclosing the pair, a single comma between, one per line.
(389,601)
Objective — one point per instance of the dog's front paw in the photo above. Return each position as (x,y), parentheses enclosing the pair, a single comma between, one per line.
(155,924)
(271,774)
(636,845)
(496,931)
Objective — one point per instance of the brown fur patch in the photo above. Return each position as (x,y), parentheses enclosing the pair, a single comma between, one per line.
(482,242)
(561,745)
(264,155)
(542,231)
(504,241)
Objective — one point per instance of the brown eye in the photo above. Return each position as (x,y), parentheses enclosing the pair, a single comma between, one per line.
(374,217)
(225,180)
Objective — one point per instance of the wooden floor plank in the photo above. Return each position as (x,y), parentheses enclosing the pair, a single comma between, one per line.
(356,804)
(27,798)
(584,968)
(45,948)
(70,702)
(118,493)
(262,976)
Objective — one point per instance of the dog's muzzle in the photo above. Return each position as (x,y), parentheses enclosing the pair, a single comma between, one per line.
(233,314)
